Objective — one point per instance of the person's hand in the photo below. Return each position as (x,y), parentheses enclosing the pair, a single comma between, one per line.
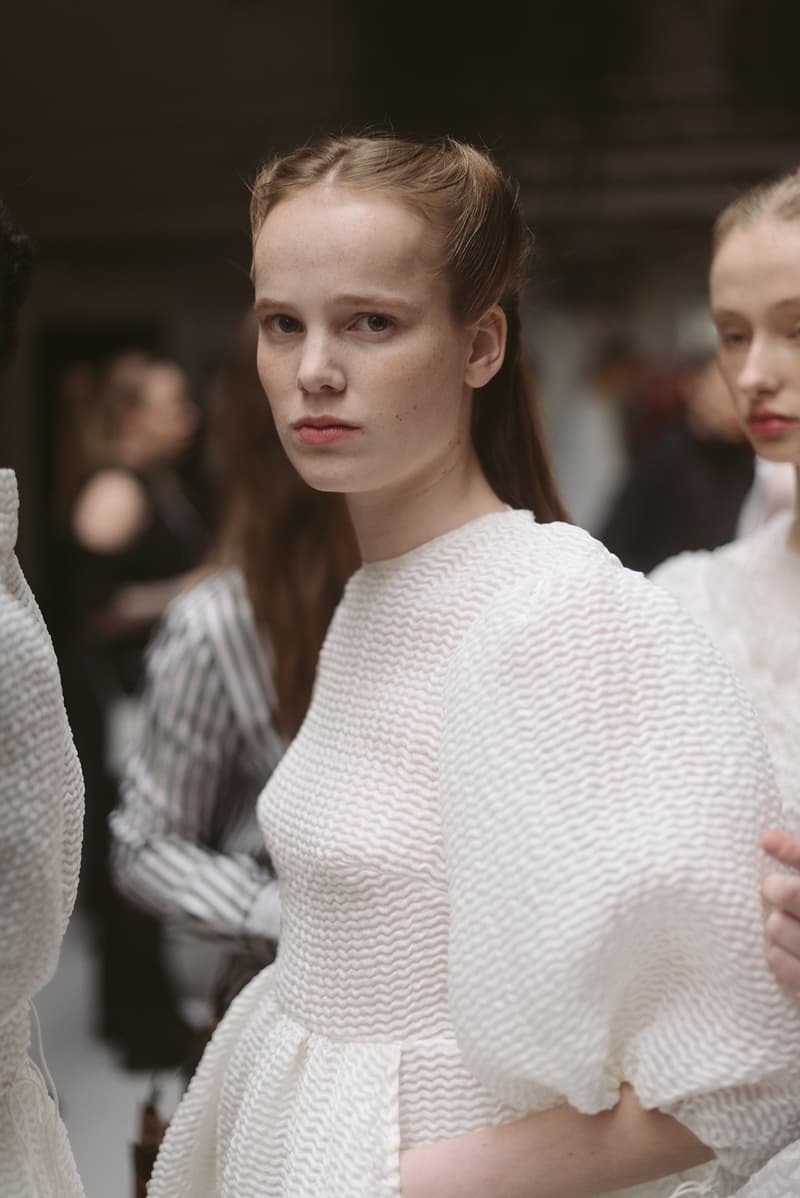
(782,892)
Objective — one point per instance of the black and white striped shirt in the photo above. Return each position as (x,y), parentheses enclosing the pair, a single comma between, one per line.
(186,843)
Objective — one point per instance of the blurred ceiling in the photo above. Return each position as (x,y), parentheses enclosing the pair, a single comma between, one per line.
(140,124)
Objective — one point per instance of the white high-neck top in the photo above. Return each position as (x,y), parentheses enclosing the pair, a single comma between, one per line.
(517,841)
(41,820)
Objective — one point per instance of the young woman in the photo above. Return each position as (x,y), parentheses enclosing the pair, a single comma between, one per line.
(41,814)
(516,834)
(747,594)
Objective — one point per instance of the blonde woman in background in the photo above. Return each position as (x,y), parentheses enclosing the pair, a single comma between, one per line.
(747,594)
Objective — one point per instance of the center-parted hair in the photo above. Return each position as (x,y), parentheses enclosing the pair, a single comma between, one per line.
(474,207)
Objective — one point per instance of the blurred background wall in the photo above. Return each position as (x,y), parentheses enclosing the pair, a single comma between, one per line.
(129,133)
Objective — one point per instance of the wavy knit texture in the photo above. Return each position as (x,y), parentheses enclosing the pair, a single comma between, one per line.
(41,818)
(747,597)
(517,839)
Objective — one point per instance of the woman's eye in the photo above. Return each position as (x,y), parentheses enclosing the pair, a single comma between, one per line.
(374,322)
(283,323)
(732,339)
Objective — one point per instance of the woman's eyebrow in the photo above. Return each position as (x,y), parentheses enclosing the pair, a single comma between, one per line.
(263,302)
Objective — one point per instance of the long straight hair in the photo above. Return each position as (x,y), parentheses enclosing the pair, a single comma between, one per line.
(295,546)
(485,247)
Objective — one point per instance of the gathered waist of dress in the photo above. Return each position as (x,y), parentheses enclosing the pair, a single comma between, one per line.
(362,987)
(430,1088)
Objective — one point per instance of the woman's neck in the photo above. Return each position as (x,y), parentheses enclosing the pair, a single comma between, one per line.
(387,526)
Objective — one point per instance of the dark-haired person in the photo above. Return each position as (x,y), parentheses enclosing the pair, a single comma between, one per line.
(41,818)
(228,681)
(132,541)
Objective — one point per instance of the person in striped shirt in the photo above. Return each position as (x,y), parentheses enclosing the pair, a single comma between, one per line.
(228,679)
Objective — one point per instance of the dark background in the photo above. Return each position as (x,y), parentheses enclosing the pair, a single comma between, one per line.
(129,133)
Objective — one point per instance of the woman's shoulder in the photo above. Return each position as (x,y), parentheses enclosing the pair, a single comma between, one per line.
(111,511)
(706,579)
(564,577)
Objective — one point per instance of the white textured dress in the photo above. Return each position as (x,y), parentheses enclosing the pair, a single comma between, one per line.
(41,819)
(747,596)
(517,838)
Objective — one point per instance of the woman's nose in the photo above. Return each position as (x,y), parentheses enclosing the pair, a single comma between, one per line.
(758,374)
(319,369)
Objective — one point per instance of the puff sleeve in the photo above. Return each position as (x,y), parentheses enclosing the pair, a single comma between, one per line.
(604,787)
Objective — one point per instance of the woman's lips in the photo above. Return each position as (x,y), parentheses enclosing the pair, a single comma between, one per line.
(323,431)
(770,424)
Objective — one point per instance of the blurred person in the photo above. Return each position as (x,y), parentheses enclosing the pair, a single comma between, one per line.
(41,814)
(132,543)
(747,594)
(477,989)
(590,434)
(686,487)
(228,680)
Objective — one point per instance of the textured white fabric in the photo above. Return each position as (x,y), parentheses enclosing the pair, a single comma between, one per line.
(41,817)
(747,596)
(517,839)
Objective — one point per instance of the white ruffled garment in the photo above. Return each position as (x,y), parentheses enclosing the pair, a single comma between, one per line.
(41,820)
(747,597)
(517,838)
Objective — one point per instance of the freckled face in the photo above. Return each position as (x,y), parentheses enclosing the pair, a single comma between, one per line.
(755,300)
(359,354)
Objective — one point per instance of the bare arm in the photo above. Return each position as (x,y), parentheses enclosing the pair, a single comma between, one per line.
(110,514)
(556,1154)
(782,892)
(141,604)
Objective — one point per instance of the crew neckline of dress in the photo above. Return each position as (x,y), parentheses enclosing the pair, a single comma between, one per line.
(420,553)
(9,508)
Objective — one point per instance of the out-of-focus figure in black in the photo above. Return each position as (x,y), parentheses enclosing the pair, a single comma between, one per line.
(687,486)
(132,543)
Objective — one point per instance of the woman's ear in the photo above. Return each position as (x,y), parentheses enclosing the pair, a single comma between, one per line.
(487,347)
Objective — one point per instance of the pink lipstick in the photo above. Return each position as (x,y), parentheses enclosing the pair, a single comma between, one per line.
(770,425)
(323,430)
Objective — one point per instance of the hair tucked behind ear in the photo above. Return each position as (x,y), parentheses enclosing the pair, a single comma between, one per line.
(475,208)
(16,259)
